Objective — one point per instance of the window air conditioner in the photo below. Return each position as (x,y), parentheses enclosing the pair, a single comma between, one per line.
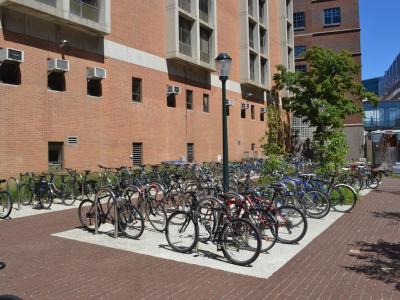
(230,102)
(263,110)
(8,54)
(57,65)
(96,73)
(173,89)
(245,106)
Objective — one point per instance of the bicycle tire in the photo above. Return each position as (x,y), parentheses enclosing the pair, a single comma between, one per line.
(69,193)
(267,227)
(6,204)
(156,214)
(47,199)
(25,194)
(340,194)
(288,218)
(373,182)
(315,204)
(131,221)
(175,232)
(239,237)
(86,215)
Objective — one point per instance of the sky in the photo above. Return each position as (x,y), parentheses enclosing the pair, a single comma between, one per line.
(380,35)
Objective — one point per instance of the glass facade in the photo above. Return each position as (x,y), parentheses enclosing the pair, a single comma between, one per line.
(391,81)
(386,115)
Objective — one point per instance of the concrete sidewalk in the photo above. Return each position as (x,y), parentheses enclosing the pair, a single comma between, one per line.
(357,257)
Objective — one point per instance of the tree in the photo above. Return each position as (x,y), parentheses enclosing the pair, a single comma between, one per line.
(325,94)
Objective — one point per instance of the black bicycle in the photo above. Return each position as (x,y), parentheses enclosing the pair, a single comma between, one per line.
(130,219)
(6,203)
(237,238)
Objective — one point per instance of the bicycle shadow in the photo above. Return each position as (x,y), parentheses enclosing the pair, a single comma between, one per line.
(387,191)
(203,253)
(378,261)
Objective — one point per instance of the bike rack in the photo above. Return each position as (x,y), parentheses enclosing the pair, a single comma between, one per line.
(96,231)
(17,190)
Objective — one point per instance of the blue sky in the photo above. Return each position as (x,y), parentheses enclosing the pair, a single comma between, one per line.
(380,35)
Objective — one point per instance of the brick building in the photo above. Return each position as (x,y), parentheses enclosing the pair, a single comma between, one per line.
(331,24)
(87,82)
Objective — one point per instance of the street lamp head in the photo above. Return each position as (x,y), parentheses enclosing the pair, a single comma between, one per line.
(223,64)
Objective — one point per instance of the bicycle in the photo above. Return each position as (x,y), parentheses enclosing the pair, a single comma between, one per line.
(130,220)
(6,203)
(237,238)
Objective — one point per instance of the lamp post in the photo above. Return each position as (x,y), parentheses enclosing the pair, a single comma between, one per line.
(223,64)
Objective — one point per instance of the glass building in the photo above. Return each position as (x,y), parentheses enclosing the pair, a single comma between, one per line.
(386,115)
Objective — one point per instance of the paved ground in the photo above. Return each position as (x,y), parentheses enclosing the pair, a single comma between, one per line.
(357,257)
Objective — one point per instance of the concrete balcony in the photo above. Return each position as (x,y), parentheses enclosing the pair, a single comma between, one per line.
(85,15)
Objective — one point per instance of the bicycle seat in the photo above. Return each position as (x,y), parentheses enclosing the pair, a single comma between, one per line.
(2,180)
(306,176)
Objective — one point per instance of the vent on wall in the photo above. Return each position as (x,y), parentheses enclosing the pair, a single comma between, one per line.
(72,140)
(137,153)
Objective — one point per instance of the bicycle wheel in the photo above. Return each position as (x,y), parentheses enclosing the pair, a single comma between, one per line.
(315,204)
(181,237)
(240,241)
(69,193)
(47,199)
(266,225)
(292,224)
(343,198)
(25,194)
(373,181)
(131,221)
(86,214)
(6,204)
(156,214)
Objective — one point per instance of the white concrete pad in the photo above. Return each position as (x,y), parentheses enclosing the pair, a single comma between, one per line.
(28,210)
(155,244)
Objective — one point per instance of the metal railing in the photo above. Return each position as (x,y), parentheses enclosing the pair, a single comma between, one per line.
(85,10)
(185,48)
(185,5)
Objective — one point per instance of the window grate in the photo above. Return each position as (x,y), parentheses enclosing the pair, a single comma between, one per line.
(137,153)
(72,140)
(190,152)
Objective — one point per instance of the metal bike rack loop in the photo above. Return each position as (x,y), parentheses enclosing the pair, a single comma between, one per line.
(114,199)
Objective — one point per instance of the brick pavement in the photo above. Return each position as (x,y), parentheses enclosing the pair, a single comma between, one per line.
(356,258)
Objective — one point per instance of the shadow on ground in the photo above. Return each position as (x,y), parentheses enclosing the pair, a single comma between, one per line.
(379,261)
(389,191)
(393,216)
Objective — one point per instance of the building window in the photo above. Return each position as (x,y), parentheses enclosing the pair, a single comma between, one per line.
(94,87)
(262,115)
(185,43)
(227,110)
(263,71)
(189,100)
(250,7)
(252,58)
(205,44)
(56,81)
(10,73)
(263,41)
(203,10)
(171,100)
(206,103)
(185,5)
(252,27)
(261,9)
(332,16)
(299,21)
(252,112)
(243,111)
(137,153)
(301,68)
(190,152)
(299,51)
(136,89)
